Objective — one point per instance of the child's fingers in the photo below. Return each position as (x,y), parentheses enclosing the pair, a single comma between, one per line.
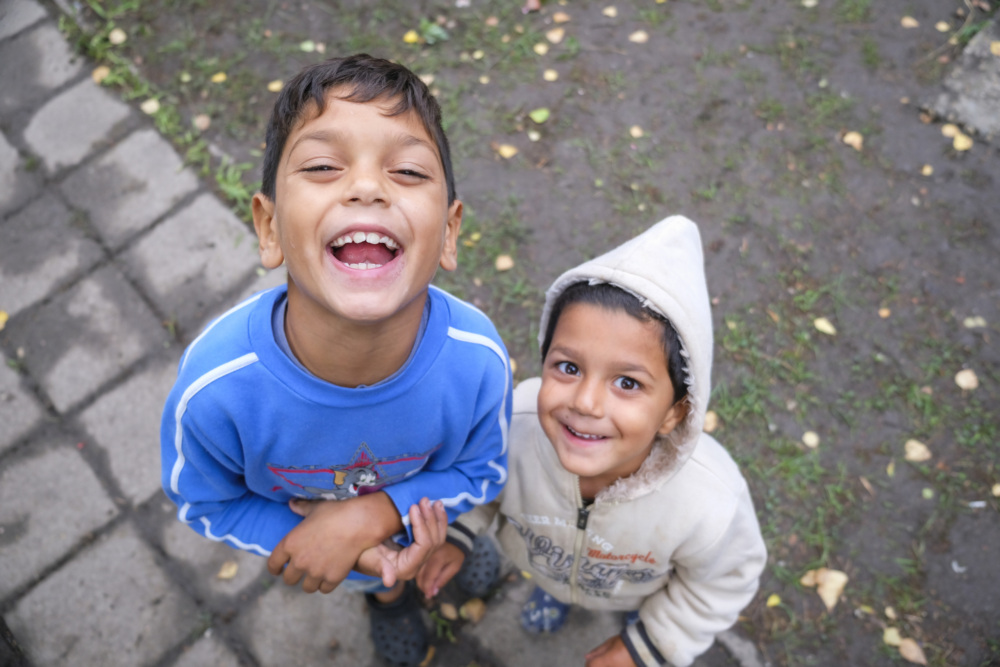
(301,507)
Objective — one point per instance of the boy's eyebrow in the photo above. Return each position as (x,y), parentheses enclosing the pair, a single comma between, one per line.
(327,136)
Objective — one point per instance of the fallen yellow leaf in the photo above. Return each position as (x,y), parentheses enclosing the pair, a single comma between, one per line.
(916,451)
(949,130)
(635,132)
(429,658)
(534,135)
(428,79)
(202,121)
(890,469)
(117,36)
(711,421)
(228,570)
(4,316)
(909,22)
(884,313)
(611,11)
(995,48)
(100,73)
(824,325)
(890,613)
(275,86)
(829,584)
(506,151)
(995,490)
(639,37)
(927,170)
(773,600)
(541,48)
(560,17)
(411,37)
(513,365)
(449,611)
(555,35)
(967,379)
(891,637)
(219,77)
(550,75)
(974,322)
(492,21)
(911,652)
(942,26)
(473,610)
(484,79)
(478,54)
(854,140)
(809,4)
(810,439)
(150,106)
(962,142)
(504,263)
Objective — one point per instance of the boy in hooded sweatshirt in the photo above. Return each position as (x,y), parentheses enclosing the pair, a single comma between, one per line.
(616,499)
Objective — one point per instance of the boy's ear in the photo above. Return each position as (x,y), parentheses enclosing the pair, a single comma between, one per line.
(449,251)
(267,232)
(677,413)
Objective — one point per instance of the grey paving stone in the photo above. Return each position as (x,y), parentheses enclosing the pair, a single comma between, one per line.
(69,126)
(111,605)
(19,411)
(86,336)
(16,185)
(126,424)
(500,631)
(206,559)
(129,187)
(48,504)
(287,627)
(972,89)
(33,64)
(40,250)
(190,261)
(207,652)
(16,15)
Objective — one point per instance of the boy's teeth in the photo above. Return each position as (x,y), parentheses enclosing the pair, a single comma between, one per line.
(364,266)
(585,436)
(362,237)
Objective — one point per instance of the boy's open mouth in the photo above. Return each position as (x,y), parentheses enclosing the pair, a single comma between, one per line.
(361,250)
(583,436)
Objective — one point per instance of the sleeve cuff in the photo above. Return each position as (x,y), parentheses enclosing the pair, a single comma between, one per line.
(639,646)
(461,537)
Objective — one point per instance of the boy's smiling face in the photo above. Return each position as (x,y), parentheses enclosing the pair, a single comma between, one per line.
(361,216)
(606,393)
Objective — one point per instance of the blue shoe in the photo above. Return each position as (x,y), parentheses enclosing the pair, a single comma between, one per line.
(542,613)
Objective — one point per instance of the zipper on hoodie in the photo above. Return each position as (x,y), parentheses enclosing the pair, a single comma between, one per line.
(582,515)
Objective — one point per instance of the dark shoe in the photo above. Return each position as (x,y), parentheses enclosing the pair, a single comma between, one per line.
(480,569)
(397,629)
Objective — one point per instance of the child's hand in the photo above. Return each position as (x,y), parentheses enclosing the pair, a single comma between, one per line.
(611,653)
(325,547)
(391,562)
(440,567)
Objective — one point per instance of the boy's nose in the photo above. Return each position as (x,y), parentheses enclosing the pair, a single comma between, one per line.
(366,186)
(589,398)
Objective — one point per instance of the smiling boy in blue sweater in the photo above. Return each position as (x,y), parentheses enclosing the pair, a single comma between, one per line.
(358,382)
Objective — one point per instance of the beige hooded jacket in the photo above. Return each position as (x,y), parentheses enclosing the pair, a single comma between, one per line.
(678,539)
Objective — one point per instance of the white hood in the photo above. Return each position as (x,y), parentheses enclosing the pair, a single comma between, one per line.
(664,268)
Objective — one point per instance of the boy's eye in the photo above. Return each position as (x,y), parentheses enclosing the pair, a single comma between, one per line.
(412,173)
(567,367)
(627,383)
(319,167)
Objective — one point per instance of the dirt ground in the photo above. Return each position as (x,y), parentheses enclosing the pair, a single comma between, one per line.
(733,113)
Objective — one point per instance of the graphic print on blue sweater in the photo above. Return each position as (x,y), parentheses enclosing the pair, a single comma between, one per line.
(362,474)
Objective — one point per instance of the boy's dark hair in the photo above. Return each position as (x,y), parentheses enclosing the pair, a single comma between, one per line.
(364,78)
(613,297)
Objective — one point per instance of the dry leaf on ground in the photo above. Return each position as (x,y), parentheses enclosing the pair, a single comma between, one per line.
(711,421)
(539,115)
(504,263)
(560,17)
(473,610)
(219,77)
(909,22)
(150,106)
(611,12)
(228,570)
(117,36)
(962,142)
(411,37)
(100,73)
(810,439)
(505,151)
(448,611)
(917,451)
(639,37)
(4,316)
(555,35)
(891,636)
(911,651)
(829,584)
(825,326)
(275,86)
(967,379)
(773,600)
(541,48)
(550,75)
(854,140)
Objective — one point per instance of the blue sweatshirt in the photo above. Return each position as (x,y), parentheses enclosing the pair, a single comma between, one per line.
(245,428)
